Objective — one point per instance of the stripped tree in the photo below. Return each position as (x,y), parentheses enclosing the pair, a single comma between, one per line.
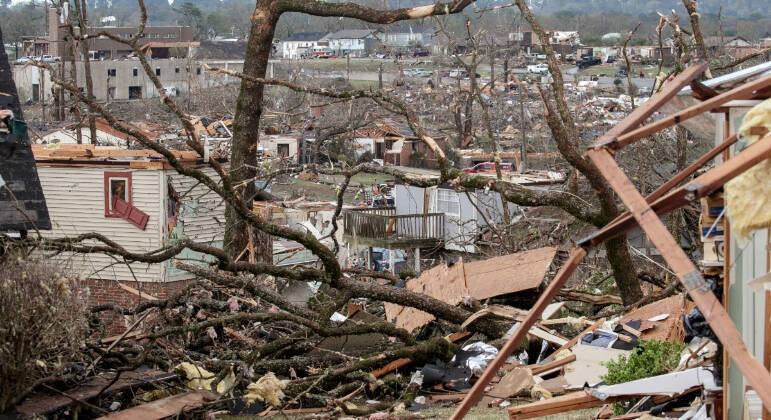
(246,126)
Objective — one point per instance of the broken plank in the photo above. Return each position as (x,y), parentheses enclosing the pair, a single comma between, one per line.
(568,402)
(164,407)
(642,112)
(546,367)
(133,291)
(573,341)
(745,91)
(577,255)
(43,403)
(515,381)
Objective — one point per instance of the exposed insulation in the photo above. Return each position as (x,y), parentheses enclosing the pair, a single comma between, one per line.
(748,196)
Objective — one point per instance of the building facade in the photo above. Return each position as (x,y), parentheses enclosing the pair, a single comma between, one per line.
(302,45)
(354,42)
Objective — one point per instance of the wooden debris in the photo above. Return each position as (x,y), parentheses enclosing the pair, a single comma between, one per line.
(165,407)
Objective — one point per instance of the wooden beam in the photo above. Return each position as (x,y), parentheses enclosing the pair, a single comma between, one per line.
(642,112)
(569,402)
(576,256)
(701,186)
(539,369)
(744,91)
(573,341)
(755,373)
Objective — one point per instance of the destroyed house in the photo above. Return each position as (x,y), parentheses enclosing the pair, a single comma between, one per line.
(134,198)
(395,144)
(426,217)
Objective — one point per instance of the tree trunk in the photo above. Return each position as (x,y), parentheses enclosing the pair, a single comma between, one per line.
(80,11)
(624,272)
(246,132)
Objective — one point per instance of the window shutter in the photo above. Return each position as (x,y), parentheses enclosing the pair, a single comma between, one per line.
(131,214)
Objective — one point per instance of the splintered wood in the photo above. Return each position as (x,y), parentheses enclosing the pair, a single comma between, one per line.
(479,280)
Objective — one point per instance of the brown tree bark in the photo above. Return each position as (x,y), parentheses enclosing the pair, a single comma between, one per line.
(81,13)
(563,128)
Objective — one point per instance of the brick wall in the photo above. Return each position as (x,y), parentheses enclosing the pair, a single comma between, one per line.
(108,291)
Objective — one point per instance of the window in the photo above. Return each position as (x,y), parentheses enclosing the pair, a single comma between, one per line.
(112,72)
(447,201)
(117,191)
(118,201)
(157,71)
(135,72)
(176,70)
(135,92)
(198,71)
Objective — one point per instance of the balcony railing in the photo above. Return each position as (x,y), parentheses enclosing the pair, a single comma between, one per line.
(383,227)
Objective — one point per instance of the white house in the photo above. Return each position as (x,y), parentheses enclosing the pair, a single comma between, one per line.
(404,39)
(302,44)
(354,42)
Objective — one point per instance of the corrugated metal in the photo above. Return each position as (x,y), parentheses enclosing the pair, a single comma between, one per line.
(75,197)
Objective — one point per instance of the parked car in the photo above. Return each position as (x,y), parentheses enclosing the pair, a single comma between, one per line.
(417,72)
(540,57)
(461,74)
(538,69)
(420,53)
(588,62)
(381,56)
(23,60)
(621,73)
(49,59)
(611,59)
(488,168)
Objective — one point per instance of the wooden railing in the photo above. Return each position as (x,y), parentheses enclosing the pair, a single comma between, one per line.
(383,224)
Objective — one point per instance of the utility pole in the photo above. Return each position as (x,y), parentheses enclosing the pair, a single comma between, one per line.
(80,10)
(523,146)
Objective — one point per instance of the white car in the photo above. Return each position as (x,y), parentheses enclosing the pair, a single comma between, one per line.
(23,60)
(541,57)
(538,69)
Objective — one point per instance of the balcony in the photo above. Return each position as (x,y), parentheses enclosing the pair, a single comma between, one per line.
(382,227)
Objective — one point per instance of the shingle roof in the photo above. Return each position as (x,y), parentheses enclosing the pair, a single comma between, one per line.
(306,36)
(351,34)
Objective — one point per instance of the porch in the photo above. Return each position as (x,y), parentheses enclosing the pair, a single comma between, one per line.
(382,227)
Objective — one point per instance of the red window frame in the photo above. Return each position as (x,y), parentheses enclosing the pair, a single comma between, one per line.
(129,195)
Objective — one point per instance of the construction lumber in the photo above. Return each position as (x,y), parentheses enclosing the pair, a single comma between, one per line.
(576,256)
(164,407)
(701,186)
(573,401)
(641,113)
(686,271)
(539,369)
(744,91)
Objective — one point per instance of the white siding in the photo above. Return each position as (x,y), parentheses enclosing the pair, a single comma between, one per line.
(75,199)
(202,216)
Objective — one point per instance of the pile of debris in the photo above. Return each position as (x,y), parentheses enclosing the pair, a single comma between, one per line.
(209,349)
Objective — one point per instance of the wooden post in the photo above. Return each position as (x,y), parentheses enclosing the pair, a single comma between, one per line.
(726,270)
